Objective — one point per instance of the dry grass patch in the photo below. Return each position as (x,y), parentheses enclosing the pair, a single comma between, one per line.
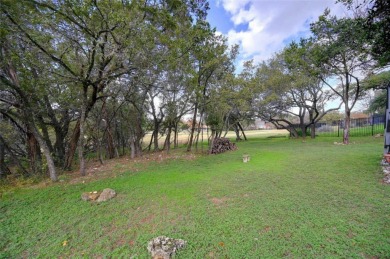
(219,201)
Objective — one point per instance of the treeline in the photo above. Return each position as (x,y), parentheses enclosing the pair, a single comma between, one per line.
(81,76)
(95,76)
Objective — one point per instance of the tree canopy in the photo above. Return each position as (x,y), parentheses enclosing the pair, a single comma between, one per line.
(96,77)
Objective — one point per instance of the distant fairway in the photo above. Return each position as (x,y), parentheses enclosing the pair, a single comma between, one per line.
(183,136)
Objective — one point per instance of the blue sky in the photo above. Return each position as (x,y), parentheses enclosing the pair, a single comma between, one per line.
(263,27)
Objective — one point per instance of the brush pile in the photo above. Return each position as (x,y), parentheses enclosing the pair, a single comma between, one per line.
(221,145)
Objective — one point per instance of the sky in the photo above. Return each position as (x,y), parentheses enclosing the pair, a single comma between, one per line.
(263,27)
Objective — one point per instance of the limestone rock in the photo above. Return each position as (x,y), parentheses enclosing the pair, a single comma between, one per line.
(85,196)
(384,162)
(90,196)
(163,247)
(106,195)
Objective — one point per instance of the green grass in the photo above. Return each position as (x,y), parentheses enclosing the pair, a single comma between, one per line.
(353,131)
(367,130)
(299,199)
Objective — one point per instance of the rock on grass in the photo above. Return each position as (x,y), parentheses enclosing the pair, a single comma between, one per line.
(163,247)
(105,195)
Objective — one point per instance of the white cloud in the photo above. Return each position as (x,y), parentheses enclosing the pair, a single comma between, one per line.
(270,24)
(234,6)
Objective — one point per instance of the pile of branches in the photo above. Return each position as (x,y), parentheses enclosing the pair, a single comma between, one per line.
(221,145)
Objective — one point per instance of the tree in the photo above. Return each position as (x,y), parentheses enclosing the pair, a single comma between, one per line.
(230,102)
(19,90)
(177,103)
(378,83)
(289,96)
(340,53)
(378,28)
(210,59)
(92,43)
(310,92)
(86,46)
(84,75)
(375,18)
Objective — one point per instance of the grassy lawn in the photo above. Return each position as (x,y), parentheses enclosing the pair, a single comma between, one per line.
(293,199)
(354,131)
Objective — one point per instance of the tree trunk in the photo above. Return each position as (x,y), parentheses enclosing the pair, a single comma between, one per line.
(313,131)
(303,129)
(61,127)
(72,146)
(155,136)
(110,144)
(99,150)
(46,152)
(34,152)
(139,135)
(76,132)
(132,148)
(189,146)
(302,125)
(151,141)
(347,125)
(242,130)
(167,144)
(81,138)
(237,131)
(108,132)
(212,137)
(136,135)
(118,136)
(124,142)
(59,147)
(157,121)
(200,126)
(293,132)
(3,167)
(45,133)
(175,137)
(313,124)
(138,148)
(202,138)
(117,142)
(2,160)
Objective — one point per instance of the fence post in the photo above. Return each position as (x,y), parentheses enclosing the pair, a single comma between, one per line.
(386,133)
(372,126)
